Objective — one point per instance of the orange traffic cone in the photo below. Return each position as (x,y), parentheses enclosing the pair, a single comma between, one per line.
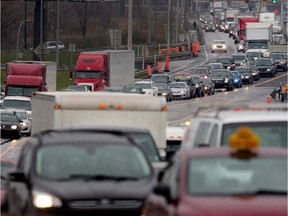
(149,70)
(268,100)
(194,49)
(167,63)
(159,69)
(182,48)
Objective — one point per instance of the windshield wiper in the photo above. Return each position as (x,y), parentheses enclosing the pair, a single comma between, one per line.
(262,192)
(98,177)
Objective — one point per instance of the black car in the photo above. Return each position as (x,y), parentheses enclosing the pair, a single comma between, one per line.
(210,28)
(254,71)
(209,86)
(246,74)
(196,82)
(227,62)
(266,66)
(280,59)
(239,59)
(164,90)
(80,172)
(222,79)
(10,124)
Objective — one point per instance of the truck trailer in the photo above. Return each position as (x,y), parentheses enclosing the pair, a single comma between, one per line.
(25,77)
(55,110)
(109,68)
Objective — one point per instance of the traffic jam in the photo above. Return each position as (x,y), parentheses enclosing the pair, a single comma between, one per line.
(204,136)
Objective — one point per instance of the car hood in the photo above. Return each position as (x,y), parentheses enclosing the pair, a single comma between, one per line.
(8,123)
(178,89)
(218,78)
(163,91)
(81,189)
(262,67)
(237,205)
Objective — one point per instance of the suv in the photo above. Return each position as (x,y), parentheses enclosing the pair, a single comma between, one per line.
(239,59)
(161,78)
(266,66)
(280,59)
(10,124)
(222,79)
(215,127)
(227,62)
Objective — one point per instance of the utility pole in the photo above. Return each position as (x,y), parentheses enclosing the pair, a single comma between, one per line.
(57,35)
(168,28)
(129,43)
(177,22)
(149,22)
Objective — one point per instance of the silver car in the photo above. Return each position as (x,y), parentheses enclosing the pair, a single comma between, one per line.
(25,121)
(180,90)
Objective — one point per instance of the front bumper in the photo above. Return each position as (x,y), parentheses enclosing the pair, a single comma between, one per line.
(178,95)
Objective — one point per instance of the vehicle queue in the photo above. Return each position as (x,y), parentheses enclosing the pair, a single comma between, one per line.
(234,179)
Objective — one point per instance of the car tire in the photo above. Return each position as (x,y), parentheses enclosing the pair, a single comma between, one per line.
(212,51)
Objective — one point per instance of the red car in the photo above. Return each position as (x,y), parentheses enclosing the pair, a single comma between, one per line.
(223,181)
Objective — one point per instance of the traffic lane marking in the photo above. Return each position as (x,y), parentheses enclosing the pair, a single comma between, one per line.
(271,79)
(14,144)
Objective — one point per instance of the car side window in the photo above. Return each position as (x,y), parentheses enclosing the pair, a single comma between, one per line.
(25,159)
(171,178)
(213,139)
(202,132)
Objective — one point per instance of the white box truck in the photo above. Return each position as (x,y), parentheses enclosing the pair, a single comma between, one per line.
(55,110)
(259,36)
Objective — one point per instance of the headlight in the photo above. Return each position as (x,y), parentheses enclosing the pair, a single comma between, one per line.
(240,46)
(268,69)
(14,127)
(228,67)
(282,62)
(241,63)
(246,77)
(45,200)
(214,46)
(182,92)
(197,85)
(236,80)
(164,94)
(23,124)
(226,80)
(254,73)
(205,87)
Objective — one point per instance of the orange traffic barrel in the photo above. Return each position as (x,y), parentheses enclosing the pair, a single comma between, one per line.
(182,48)
(170,50)
(167,64)
(159,69)
(269,100)
(194,49)
(198,46)
(149,70)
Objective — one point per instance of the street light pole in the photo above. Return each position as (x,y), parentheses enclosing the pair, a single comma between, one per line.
(18,33)
(168,28)
(57,35)
(129,43)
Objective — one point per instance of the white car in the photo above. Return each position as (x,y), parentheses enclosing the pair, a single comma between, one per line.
(18,102)
(219,45)
(148,87)
(52,45)
(180,90)
(214,128)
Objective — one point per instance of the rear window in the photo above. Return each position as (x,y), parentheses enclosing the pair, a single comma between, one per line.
(272,134)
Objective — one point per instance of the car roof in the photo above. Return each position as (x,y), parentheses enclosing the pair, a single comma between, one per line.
(17,98)
(7,111)
(145,81)
(231,116)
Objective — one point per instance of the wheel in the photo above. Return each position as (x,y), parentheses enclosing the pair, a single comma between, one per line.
(212,51)
(203,94)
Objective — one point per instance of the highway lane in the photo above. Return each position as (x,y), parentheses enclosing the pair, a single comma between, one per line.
(180,111)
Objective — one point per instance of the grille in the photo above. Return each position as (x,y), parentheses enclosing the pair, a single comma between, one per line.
(104,204)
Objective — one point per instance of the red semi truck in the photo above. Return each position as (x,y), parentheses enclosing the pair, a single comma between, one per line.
(101,69)
(25,77)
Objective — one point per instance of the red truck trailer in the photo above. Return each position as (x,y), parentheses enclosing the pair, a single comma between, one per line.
(241,26)
(25,77)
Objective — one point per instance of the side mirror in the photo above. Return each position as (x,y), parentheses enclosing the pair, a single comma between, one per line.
(17,177)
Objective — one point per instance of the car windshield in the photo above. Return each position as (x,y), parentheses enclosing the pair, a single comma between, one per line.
(8,117)
(235,74)
(163,87)
(278,56)
(144,85)
(199,71)
(219,74)
(270,133)
(239,57)
(21,91)
(258,46)
(87,160)
(242,70)
(206,81)
(263,63)
(229,61)
(250,55)
(216,66)
(22,115)
(87,75)
(159,79)
(218,42)
(132,89)
(235,176)
(178,85)
(16,104)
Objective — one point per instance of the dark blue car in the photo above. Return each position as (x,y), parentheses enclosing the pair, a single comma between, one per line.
(237,79)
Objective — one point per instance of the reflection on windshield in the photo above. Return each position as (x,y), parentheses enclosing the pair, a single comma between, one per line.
(231,176)
(16,104)
(21,91)
(87,75)
(89,159)
(8,118)
(159,79)
(263,63)
(177,85)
